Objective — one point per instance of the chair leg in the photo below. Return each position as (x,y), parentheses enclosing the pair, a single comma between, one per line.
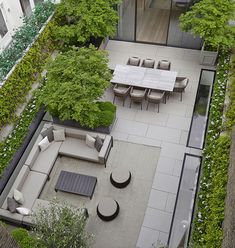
(158,107)
(114,98)
(181,96)
(147,106)
(130,104)
(141,105)
(123,103)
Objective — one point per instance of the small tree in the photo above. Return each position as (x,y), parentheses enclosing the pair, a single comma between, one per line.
(60,226)
(75,80)
(78,21)
(210,20)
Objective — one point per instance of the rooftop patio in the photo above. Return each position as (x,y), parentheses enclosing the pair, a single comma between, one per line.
(151,145)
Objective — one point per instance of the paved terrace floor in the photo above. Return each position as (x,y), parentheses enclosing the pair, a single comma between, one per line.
(167,129)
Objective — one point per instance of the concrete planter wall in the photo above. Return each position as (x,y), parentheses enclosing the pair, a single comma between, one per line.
(18,154)
(208,57)
(76,124)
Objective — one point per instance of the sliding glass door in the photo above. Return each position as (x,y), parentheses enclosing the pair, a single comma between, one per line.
(156,22)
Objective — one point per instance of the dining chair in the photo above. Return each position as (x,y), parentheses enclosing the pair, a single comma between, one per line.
(180,85)
(135,61)
(137,95)
(121,91)
(164,65)
(155,96)
(148,63)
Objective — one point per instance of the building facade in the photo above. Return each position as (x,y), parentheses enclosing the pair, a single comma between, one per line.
(11,13)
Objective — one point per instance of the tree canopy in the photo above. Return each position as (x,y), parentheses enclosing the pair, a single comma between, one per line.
(79,20)
(75,81)
(210,20)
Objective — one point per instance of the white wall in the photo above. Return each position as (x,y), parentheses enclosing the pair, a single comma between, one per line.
(12,13)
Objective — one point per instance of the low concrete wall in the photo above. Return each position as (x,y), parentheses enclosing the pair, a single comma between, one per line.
(229,220)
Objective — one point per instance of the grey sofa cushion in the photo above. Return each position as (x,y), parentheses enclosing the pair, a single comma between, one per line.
(49,133)
(12,204)
(78,149)
(98,143)
(46,159)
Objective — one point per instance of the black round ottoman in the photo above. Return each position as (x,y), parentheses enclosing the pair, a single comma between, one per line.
(107,209)
(120,177)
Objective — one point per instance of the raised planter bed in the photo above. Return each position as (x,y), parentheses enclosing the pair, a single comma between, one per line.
(17,156)
(76,124)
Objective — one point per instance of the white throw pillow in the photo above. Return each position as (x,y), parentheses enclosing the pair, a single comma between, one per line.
(90,141)
(59,135)
(23,211)
(43,144)
(18,196)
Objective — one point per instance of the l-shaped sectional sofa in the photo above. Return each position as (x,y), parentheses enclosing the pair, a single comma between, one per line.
(38,165)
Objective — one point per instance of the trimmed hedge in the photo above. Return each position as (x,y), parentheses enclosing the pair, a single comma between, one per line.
(15,89)
(207,226)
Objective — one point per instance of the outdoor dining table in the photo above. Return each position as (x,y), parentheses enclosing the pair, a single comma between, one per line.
(144,77)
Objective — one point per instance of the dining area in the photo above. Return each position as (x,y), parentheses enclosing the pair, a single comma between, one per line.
(144,80)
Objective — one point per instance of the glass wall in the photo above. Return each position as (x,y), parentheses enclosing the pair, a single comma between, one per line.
(155,21)
(201,110)
(26,8)
(126,24)
(183,211)
(3,26)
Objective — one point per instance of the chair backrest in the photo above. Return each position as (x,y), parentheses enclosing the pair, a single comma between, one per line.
(149,63)
(135,61)
(164,65)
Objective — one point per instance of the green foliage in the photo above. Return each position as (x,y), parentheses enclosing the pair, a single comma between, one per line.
(78,21)
(60,226)
(107,113)
(207,225)
(209,19)
(14,90)
(230,114)
(75,80)
(24,36)
(23,238)
(12,143)
(107,106)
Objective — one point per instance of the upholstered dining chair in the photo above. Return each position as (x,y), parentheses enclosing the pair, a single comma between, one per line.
(148,63)
(164,65)
(133,61)
(180,85)
(121,91)
(137,95)
(155,96)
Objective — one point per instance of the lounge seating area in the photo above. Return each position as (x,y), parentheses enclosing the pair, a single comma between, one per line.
(134,82)
(53,141)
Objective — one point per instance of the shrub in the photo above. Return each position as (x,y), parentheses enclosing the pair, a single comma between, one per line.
(78,21)
(207,229)
(60,226)
(107,106)
(13,92)
(23,238)
(24,36)
(210,20)
(75,80)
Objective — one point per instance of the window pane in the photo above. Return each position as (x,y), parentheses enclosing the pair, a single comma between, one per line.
(126,24)
(37,1)
(26,8)
(3,27)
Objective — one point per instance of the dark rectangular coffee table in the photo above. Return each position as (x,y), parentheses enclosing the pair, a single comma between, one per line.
(76,183)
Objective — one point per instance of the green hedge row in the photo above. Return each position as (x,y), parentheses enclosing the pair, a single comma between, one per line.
(17,86)
(207,229)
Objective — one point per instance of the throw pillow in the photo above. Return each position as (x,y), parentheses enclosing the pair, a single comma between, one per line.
(23,211)
(12,204)
(59,135)
(149,63)
(44,144)
(49,133)
(98,143)
(18,196)
(90,141)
